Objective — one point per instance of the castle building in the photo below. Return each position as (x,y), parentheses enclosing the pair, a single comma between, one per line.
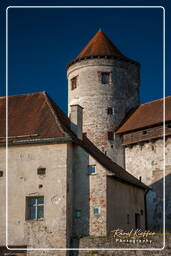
(89,172)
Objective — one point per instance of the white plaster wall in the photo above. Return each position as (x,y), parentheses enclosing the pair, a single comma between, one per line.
(23,181)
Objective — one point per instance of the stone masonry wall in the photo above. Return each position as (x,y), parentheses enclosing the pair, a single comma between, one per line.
(157,242)
(146,160)
(121,95)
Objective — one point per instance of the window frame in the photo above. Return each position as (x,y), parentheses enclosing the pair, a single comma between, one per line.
(74,86)
(90,166)
(36,206)
(96,208)
(104,80)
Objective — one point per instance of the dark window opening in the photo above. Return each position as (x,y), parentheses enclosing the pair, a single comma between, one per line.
(169,125)
(128,219)
(91,169)
(34,208)
(1,173)
(110,111)
(144,132)
(41,171)
(137,221)
(105,77)
(74,83)
(142,212)
(110,135)
(77,213)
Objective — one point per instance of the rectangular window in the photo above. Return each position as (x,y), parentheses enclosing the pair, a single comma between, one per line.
(128,219)
(1,173)
(137,221)
(96,210)
(110,135)
(91,169)
(110,111)
(106,77)
(74,83)
(35,208)
(78,213)
(41,171)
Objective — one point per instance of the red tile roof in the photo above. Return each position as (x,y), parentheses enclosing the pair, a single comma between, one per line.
(36,116)
(100,46)
(29,115)
(146,115)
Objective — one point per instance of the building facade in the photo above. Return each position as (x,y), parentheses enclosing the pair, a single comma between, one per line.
(90,172)
(59,184)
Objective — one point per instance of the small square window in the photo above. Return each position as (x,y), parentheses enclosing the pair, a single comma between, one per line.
(41,171)
(1,173)
(78,213)
(91,169)
(105,77)
(110,135)
(35,208)
(96,210)
(110,111)
(144,132)
(74,83)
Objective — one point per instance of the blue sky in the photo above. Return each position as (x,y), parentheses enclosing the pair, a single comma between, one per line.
(43,41)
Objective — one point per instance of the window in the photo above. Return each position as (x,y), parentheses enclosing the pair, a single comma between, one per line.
(110,111)
(35,208)
(78,213)
(128,219)
(106,77)
(97,211)
(74,83)
(110,135)
(41,171)
(137,221)
(91,169)
(144,132)
(1,173)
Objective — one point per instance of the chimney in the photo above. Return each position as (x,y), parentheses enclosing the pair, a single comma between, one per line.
(76,117)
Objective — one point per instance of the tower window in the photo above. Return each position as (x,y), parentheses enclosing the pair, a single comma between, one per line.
(74,83)
(1,173)
(110,111)
(110,136)
(106,77)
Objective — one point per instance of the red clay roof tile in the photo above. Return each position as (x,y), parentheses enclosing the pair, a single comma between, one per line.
(146,115)
(36,116)
(100,46)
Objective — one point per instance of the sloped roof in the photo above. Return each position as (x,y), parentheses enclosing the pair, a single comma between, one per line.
(100,46)
(30,115)
(146,115)
(35,116)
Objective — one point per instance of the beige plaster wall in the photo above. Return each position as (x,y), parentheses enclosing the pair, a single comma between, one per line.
(23,181)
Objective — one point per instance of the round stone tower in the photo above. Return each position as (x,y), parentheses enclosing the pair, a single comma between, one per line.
(106,84)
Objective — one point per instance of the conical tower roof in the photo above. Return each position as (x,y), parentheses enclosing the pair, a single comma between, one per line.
(100,46)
